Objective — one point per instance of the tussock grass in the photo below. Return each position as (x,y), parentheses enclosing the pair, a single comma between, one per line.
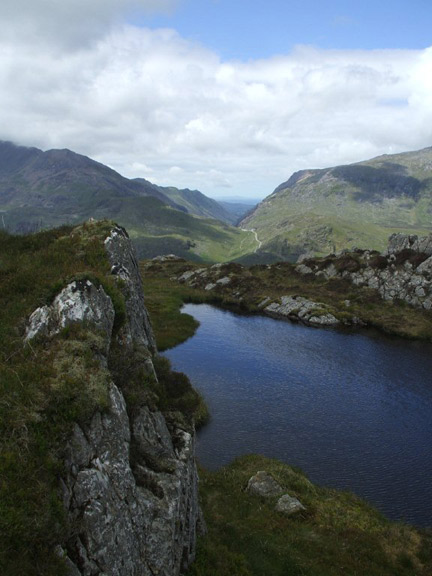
(337,535)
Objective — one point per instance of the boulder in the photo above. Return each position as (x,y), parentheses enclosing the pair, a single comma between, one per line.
(263,484)
(289,505)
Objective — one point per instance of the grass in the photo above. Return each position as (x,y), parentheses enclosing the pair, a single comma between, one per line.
(249,286)
(164,299)
(337,535)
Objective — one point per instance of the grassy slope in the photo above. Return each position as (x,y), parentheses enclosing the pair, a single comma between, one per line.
(154,227)
(359,205)
(338,535)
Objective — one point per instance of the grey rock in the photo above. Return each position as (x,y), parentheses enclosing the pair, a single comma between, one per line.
(303,269)
(263,484)
(124,265)
(186,275)
(425,267)
(80,301)
(289,505)
(394,281)
(223,281)
(303,309)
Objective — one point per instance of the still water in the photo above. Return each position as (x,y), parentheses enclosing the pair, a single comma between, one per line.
(353,411)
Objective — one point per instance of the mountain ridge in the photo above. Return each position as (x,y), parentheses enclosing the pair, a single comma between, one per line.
(361,204)
(41,190)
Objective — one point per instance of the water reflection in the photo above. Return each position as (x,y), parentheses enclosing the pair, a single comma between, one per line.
(354,412)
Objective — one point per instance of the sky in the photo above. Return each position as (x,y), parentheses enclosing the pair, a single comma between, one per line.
(228,97)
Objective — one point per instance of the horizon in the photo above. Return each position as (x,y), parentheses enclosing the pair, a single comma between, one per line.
(227,98)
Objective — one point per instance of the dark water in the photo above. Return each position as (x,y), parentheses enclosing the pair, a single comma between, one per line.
(353,411)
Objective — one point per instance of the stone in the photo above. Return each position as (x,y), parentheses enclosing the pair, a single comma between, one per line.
(186,276)
(303,309)
(263,484)
(289,505)
(303,269)
(124,265)
(80,301)
(223,281)
(425,267)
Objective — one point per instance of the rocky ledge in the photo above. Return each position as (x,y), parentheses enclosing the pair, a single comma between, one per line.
(129,483)
(234,283)
(403,272)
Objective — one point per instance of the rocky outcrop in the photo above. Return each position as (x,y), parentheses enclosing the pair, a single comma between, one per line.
(299,308)
(232,280)
(263,484)
(403,272)
(399,242)
(129,484)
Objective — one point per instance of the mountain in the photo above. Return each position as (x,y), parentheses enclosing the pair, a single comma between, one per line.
(356,205)
(238,210)
(46,189)
(195,202)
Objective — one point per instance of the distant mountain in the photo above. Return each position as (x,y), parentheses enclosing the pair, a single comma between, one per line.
(238,210)
(195,202)
(356,205)
(41,188)
(46,189)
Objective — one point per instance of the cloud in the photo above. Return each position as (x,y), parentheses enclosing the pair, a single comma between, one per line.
(68,24)
(150,103)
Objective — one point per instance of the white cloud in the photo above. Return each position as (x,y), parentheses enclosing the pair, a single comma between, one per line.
(68,23)
(149,103)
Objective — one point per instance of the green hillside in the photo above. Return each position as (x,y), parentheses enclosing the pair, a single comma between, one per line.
(195,202)
(41,190)
(357,205)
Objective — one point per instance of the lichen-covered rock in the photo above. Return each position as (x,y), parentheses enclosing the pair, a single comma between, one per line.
(288,505)
(124,265)
(399,242)
(403,272)
(297,307)
(79,302)
(263,484)
(133,519)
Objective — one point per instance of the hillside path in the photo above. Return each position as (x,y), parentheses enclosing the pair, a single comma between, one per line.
(256,237)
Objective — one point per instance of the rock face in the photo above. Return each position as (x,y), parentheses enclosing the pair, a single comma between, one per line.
(403,272)
(130,482)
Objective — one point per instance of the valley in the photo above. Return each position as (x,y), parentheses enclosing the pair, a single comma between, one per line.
(315,253)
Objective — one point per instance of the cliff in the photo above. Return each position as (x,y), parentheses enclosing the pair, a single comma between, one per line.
(128,480)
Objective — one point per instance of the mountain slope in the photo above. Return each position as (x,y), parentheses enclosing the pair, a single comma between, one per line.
(46,189)
(360,205)
(195,202)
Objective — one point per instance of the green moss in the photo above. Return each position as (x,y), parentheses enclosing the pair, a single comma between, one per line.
(176,393)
